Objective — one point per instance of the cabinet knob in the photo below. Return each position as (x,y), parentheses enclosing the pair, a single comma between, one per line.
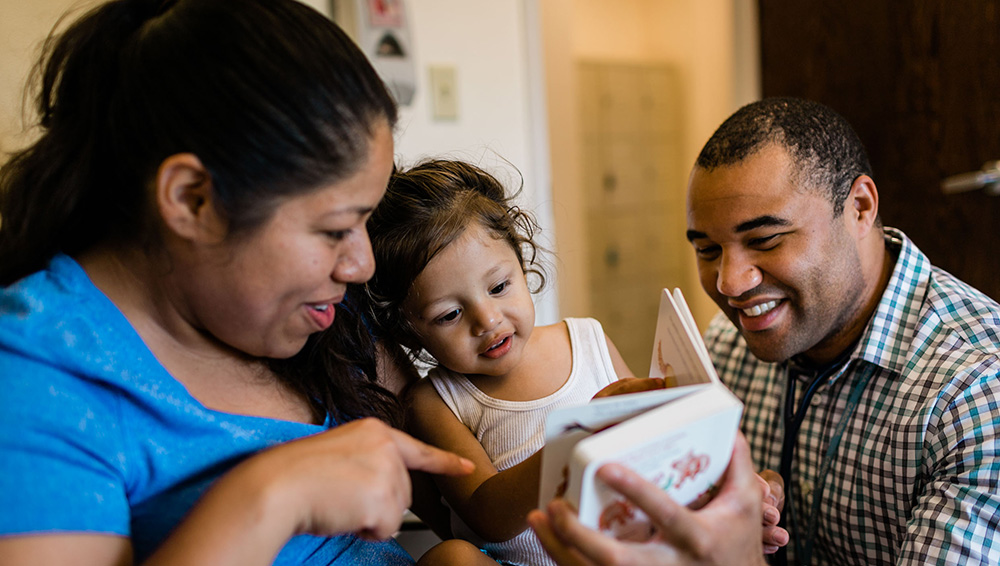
(611,256)
(610,182)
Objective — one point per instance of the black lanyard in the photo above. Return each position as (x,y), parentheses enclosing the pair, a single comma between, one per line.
(793,420)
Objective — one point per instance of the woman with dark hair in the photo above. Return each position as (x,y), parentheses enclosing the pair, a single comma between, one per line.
(181,383)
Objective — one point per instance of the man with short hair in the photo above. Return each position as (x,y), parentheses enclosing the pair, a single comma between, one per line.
(869,377)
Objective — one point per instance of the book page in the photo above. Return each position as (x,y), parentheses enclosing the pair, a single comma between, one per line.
(679,354)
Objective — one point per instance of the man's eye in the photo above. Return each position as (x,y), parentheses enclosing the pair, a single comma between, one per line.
(706,252)
(766,242)
(337,235)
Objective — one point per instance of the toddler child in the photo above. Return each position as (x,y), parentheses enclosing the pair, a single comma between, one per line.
(452,256)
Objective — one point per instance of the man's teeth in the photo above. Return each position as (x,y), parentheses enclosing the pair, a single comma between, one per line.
(760,309)
(321,308)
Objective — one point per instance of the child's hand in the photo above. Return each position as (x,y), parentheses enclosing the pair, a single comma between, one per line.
(630,385)
(773,489)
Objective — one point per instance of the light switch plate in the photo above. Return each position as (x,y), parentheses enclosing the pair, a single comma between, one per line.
(444,92)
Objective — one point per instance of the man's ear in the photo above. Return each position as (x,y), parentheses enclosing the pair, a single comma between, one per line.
(861,206)
(184,198)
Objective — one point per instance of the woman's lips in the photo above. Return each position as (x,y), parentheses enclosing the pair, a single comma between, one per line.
(322,314)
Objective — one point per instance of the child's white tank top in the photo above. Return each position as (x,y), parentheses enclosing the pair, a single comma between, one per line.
(511,431)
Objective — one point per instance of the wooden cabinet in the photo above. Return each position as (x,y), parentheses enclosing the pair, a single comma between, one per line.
(634,185)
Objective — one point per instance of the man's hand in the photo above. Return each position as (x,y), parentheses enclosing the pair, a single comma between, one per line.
(630,385)
(725,531)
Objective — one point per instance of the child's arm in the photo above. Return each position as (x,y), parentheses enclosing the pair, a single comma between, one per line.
(621,368)
(494,504)
(427,504)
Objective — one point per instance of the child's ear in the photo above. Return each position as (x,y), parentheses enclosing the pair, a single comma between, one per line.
(185,199)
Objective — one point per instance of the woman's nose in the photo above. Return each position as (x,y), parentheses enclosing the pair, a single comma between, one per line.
(356,264)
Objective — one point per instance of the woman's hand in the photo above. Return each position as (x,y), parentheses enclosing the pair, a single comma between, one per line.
(351,479)
(726,531)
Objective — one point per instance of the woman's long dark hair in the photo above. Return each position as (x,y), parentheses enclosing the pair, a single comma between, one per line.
(273,98)
(343,355)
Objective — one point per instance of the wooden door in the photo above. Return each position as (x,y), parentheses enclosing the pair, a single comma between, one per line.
(920,82)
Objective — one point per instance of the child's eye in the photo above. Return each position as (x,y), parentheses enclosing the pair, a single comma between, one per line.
(448,317)
(500,288)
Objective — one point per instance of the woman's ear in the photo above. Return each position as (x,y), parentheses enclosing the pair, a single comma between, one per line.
(862,205)
(185,199)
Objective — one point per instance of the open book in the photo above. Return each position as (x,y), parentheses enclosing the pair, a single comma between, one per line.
(680,438)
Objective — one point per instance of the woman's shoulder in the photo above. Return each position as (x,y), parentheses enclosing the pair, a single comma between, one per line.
(50,309)
(57,318)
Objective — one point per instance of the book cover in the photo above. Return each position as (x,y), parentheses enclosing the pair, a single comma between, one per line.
(680,438)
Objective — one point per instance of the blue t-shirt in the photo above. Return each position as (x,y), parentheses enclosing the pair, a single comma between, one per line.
(96,436)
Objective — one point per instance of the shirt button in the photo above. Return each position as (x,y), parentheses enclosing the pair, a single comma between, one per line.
(806,488)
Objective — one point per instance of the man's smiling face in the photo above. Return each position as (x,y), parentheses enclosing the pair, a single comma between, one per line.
(774,257)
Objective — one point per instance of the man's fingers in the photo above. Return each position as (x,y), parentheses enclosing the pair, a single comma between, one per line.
(630,385)
(560,553)
(675,522)
(587,545)
(418,455)
(775,537)
(740,474)
(771,516)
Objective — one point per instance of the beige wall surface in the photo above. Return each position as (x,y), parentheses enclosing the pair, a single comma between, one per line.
(24,26)
(711,43)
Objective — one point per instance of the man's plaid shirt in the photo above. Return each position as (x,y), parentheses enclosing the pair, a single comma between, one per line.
(916,478)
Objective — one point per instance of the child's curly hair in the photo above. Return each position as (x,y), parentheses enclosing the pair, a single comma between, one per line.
(425,209)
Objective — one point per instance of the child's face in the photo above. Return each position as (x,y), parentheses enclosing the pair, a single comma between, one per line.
(471,306)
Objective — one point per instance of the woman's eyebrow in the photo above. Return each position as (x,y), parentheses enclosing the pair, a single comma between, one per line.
(355,210)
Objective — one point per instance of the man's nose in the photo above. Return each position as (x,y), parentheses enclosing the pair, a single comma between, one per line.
(737,275)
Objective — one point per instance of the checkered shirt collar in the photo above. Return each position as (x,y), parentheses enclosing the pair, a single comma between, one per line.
(891,328)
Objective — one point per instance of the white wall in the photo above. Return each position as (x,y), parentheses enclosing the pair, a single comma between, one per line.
(23,27)
(486,41)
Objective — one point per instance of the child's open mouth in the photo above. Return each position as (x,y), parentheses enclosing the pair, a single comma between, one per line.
(500,348)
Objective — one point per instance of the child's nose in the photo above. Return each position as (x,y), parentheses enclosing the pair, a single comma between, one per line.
(487,319)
